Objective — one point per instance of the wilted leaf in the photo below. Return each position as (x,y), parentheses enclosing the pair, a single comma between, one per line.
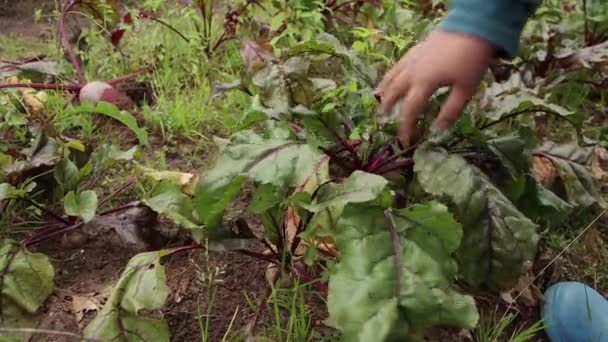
(588,56)
(83,304)
(218,89)
(141,286)
(82,204)
(599,164)
(44,153)
(572,163)
(379,307)
(34,101)
(544,171)
(279,162)
(26,280)
(514,103)
(32,69)
(255,55)
(187,181)
(499,242)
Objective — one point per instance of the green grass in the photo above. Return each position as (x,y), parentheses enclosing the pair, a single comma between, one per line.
(182,77)
(14,46)
(493,328)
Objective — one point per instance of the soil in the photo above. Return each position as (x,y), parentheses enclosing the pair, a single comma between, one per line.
(89,271)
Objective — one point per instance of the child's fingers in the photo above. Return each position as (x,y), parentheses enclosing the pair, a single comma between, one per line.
(411,106)
(388,78)
(398,88)
(452,108)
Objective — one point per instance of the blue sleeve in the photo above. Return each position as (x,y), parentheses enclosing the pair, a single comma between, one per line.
(500,22)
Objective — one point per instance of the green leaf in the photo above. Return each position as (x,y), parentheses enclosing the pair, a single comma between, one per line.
(277,21)
(66,173)
(331,199)
(142,285)
(82,204)
(572,162)
(6,191)
(264,198)
(499,242)
(168,200)
(374,308)
(278,162)
(112,111)
(107,155)
(359,187)
(26,280)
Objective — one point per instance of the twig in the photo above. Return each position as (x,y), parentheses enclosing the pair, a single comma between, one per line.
(388,213)
(121,208)
(121,79)
(47,332)
(47,235)
(181,249)
(117,191)
(258,256)
(66,42)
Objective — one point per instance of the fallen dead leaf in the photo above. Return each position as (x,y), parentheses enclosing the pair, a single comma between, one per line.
(599,164)
(83,304)
(526,293)
(544,171)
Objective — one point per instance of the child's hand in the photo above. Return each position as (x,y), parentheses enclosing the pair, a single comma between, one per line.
(442,59)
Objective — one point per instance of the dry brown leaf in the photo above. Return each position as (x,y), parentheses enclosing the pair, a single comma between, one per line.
(319,176)
(83,304)
(526,293)
(599,164)
(34,101)
(544,171)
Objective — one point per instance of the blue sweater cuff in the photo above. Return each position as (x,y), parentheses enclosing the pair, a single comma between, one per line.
(499,22)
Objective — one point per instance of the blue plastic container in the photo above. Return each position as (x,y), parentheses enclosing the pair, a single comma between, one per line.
(574,312)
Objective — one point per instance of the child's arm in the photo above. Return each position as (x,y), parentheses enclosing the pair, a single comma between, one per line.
(457,54)
(499,22)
